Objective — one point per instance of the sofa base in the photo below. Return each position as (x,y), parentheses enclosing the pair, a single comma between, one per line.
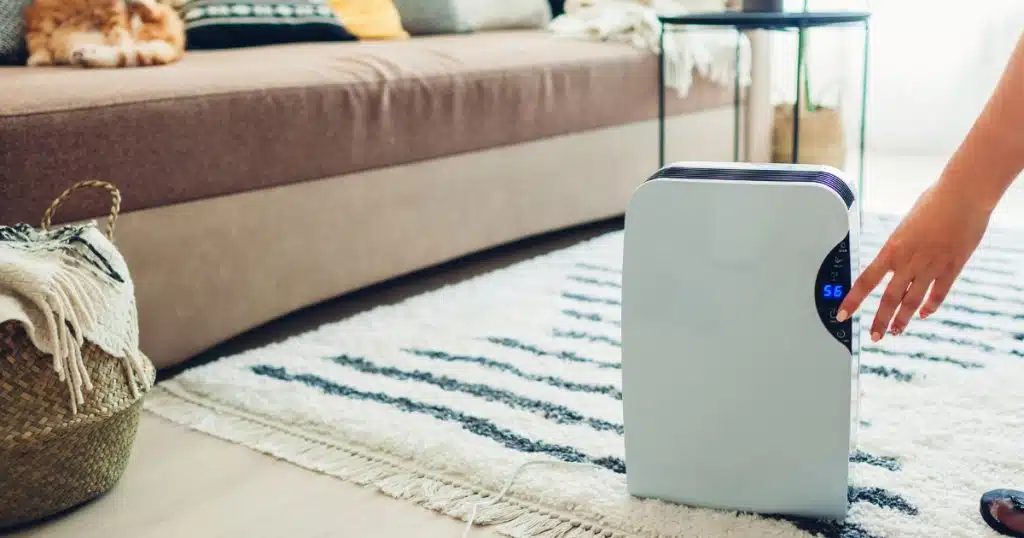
(241,266)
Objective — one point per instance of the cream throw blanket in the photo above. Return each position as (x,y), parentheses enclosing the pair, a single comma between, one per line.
(67,286)
(709,52)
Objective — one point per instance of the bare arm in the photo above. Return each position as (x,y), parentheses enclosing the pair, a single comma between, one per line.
(930,247)
(992,154)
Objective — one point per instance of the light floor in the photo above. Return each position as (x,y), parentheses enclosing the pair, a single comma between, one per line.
(182,483)
(893,182)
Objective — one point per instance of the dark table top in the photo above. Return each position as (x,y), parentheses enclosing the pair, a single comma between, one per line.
(769,21)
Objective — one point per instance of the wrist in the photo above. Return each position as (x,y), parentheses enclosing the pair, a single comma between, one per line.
(967,189)
(979,172)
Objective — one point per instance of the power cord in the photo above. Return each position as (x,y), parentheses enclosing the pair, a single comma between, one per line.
(508,485)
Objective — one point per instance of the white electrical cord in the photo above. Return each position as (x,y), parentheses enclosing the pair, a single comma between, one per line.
(508,486)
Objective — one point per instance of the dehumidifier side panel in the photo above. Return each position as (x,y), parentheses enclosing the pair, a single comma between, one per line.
(736,393)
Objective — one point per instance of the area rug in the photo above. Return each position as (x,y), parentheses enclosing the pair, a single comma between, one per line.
(438,399)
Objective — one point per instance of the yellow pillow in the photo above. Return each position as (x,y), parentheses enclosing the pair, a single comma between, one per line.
(370,19)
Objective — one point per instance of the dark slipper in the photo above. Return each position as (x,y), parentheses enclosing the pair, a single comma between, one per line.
(1003,510)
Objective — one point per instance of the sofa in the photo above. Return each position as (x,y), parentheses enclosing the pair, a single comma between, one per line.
(258,181)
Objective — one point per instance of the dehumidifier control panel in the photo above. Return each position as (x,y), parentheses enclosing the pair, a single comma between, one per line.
(831,287)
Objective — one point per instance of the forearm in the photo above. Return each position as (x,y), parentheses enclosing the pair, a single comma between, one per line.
(992,154)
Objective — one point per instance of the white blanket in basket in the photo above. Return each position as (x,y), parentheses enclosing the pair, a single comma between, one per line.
(67,286)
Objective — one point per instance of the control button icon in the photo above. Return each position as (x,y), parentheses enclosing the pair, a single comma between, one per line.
(840,334)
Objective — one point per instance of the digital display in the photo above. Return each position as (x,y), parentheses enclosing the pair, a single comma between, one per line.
(832,291)
(831,287)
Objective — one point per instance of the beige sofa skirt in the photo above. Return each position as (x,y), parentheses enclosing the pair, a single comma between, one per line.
(209,270)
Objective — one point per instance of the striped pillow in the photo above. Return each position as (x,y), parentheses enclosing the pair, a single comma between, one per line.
(224,24)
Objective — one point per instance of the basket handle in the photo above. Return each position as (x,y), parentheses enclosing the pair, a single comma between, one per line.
(115,206)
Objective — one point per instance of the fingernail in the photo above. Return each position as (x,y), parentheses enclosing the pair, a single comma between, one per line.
(896,331)
(875,337)
(924,315)
(842,315)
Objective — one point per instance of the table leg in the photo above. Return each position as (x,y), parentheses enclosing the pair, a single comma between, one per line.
(863,112)
(661,97)
(736,102)
(799,87)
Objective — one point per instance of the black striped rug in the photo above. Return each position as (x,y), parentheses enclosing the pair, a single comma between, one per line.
(437,400)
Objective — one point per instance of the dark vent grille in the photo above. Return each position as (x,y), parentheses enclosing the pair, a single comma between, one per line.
(799,176)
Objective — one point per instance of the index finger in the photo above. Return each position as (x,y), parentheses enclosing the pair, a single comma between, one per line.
(869,279)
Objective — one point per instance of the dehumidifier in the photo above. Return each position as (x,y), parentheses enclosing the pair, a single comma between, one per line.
(739,384)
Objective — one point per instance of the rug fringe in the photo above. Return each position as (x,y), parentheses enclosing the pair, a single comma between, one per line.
(509,517)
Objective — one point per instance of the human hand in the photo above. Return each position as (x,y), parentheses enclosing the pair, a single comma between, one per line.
(925,255)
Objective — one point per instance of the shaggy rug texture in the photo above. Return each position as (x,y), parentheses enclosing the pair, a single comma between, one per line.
(438,399)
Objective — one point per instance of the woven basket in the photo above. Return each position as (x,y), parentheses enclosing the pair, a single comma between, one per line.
(52,458)
(822,139)
(822,133)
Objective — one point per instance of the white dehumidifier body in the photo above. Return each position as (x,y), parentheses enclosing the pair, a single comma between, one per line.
(739,385)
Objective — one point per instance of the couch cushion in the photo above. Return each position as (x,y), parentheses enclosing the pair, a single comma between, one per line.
(222,122)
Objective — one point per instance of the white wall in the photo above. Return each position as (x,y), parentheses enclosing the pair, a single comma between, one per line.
(932,66)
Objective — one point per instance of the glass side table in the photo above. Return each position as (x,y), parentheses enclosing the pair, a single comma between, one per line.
(785,21)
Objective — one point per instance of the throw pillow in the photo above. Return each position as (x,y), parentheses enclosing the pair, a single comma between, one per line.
(481,15)
(225,24)
(457,16)
(422,17)
(12,32)
(370,19)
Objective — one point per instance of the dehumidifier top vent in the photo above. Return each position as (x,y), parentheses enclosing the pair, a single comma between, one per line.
(782,173)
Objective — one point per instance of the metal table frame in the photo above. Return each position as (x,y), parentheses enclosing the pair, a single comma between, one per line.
(785,21)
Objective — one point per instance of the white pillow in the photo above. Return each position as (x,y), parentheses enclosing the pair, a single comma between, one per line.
(482,15)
